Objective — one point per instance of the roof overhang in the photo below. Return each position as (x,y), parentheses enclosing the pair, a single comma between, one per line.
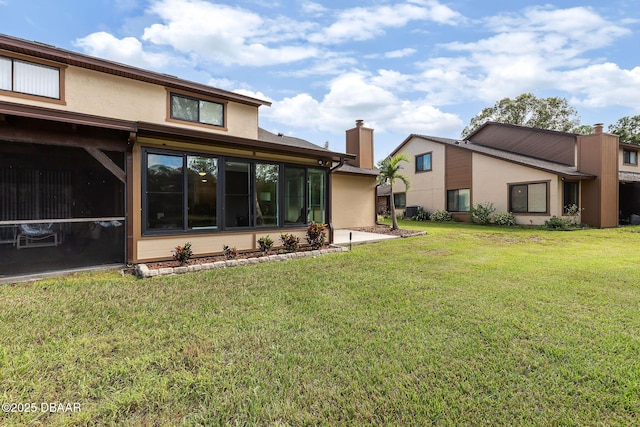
(51,53)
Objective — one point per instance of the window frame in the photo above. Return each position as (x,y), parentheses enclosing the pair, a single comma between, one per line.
(626,157)
(528,183)
(195,97)
(457,190)
(430,155)
(61,68)
(221,225)
(397,205)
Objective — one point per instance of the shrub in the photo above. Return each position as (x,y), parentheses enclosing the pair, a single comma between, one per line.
(316,235)
(481,213)
(229,253)
(555,223)
(572,211)
(182,254)
(290,242)
(504,219)
(440,216)
(265,243)
(421,215)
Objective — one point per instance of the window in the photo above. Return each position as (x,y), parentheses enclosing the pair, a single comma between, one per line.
(267,194)
(317,196)
(186,192)
(528,198)
(400,200)
(196,110)
(29,78)
(166,187)
(630,157)
(459,200)
(423,162)
(570,190)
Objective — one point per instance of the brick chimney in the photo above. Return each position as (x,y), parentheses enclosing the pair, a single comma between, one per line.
(360,143)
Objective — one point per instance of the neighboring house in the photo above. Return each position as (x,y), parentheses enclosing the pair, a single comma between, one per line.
(103,163)
(533,173)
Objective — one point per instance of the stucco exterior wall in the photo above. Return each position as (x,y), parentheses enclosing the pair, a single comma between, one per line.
(427,188)
(100,94)
(353,201)
(159,248)
(491,179)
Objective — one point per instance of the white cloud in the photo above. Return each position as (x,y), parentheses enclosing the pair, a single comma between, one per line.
(603,85)
(365,23)
(225,34)
(355,96)
(400,53)
(128,50)
(313,8)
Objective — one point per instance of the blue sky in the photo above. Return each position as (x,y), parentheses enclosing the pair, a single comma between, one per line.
(416,66)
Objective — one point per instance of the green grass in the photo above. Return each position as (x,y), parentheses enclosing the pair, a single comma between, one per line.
(468,325)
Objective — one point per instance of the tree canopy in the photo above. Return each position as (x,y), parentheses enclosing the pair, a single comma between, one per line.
(527,110)
(628,129)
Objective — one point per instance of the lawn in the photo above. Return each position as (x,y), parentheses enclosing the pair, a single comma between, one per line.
(468,325)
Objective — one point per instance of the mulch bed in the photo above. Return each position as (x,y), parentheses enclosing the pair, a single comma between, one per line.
(386,229)
(221,257)
(380,229)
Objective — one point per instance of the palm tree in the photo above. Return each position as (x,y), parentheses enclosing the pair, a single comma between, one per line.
(390,171)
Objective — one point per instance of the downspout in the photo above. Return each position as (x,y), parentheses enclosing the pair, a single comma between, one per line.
(375,204)
(331,170)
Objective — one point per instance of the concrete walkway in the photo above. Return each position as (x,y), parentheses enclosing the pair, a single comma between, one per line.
(341,237)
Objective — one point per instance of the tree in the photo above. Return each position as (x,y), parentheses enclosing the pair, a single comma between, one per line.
(628,129)
(527,110)
(389,172)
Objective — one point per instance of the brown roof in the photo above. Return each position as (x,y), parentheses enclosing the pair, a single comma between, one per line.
(347,168)
(521,159)
(52,53)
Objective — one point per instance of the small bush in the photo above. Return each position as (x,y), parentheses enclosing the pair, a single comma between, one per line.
(182,254)
(504,219)
(290,242)
(481,213)
(229,253)
(440,216)
(421,215)
(556,223)
(265,243)
(316,235)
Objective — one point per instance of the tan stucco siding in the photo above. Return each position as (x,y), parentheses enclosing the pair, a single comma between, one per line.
(157,248)
(353,201)
(491,179)
(427,188)
(105,95)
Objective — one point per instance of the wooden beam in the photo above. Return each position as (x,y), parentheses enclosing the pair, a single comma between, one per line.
(107,163)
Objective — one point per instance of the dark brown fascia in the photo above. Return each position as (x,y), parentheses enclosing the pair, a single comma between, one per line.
(169,133)
(10,108)
(52,53)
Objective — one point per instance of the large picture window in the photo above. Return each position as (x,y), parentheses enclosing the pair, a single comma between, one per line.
(528,198)
(459,200)
(196,110)
(186,192)
(29,78)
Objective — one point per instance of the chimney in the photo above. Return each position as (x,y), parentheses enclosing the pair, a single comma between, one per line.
(360,143)
(597,128)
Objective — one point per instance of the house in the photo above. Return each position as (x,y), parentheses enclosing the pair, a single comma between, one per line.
(103,163)
(533,173)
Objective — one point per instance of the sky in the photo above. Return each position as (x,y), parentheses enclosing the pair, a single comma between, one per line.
(404,67)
